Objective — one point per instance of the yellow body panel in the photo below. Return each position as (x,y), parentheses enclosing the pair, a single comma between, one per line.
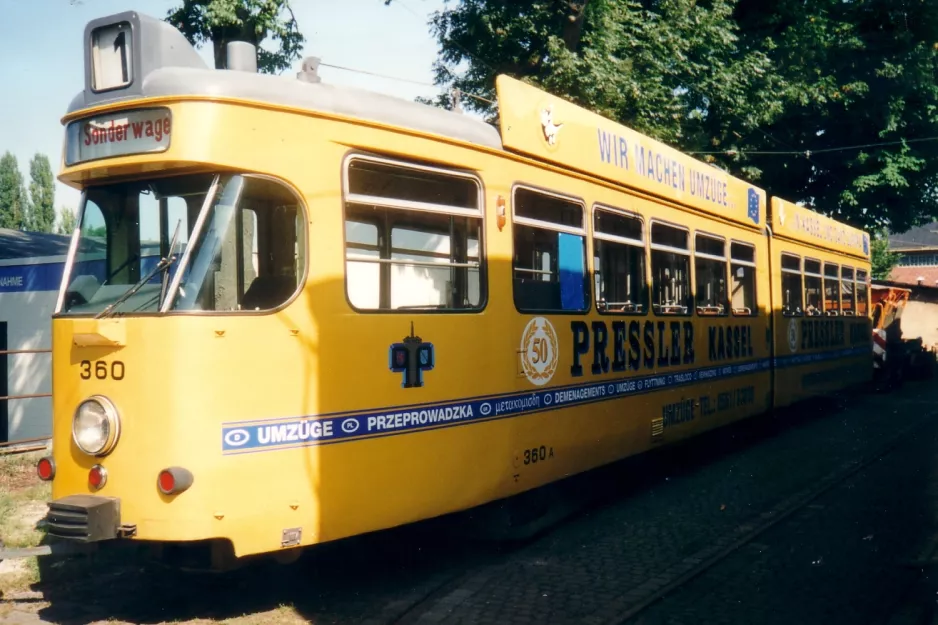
(584,141)
(823,354)
(801,224)
(293,419)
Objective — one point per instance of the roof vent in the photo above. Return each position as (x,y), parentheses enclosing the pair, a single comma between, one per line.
(242,56)
(310,71)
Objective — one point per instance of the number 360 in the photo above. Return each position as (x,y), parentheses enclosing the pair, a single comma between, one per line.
(101,370)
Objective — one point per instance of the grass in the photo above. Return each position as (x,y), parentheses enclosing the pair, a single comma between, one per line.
(23,498)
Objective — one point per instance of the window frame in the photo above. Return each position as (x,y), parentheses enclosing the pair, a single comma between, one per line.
(184,260)
(837,279)
(419,208)
(804,283)
(612,238)
(799,273)
(200,225)
(553,227)
(755,281)
(724,259)
(866,291)
(689,252)
(853,281)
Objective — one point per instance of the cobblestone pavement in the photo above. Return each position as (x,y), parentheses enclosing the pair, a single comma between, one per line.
(843,561)
(809,516)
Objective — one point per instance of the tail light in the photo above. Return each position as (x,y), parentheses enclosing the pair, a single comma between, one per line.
(45,468)
(174,480)
(97,477)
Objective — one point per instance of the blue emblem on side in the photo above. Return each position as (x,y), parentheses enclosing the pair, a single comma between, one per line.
(866,244)
(411,358)
(753,205)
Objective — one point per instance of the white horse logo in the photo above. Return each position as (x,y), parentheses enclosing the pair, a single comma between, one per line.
(550,128)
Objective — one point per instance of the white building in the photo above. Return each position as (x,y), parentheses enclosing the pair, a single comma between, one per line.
(31,266)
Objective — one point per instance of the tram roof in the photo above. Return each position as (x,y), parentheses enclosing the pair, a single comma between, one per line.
(26,247)
(21,244)
(163,63)
(129,56)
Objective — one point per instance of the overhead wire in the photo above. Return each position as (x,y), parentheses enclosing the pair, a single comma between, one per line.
(456,91)
(808,153)
(379,75)
(409,80)
(729,152)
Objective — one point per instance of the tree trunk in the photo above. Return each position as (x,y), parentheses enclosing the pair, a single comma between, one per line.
(573,23)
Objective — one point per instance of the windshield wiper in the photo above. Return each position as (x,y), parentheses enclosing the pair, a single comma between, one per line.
(164,264)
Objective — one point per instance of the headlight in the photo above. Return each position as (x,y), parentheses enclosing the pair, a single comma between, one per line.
(96,426)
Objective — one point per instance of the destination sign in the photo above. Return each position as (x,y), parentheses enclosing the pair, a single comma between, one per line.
(803,224)
(118,134)
(536,123)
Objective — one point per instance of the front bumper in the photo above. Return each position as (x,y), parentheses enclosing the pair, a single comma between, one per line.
(84,518)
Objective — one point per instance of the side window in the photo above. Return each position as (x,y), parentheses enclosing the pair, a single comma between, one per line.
(743,269)
(619,263)
(813,305)
(792,301)
(412,238)
(670,270)
(549,264)
(92,259)
(831,289)
(846,291)
(710,272)
(863,297)
(363,276)
(246,257)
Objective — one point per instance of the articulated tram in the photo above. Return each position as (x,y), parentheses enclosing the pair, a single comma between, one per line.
(294,312)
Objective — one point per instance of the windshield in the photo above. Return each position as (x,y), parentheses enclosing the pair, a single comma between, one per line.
(247,249)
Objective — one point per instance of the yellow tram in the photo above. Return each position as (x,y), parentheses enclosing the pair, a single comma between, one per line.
(294,312)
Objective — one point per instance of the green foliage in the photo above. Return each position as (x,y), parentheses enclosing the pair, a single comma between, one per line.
(12,194)
(41,217)
(662,70)
(67,221)
(854,73)
(882,258)
(254,21)
(728,81)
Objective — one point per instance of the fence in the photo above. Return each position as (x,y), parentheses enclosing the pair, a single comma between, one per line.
(5,398)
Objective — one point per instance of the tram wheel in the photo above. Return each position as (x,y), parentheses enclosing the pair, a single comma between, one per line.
(287,556)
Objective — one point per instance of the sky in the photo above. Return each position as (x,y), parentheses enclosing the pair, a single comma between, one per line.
(43,63)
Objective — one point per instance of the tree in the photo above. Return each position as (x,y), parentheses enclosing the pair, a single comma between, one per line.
(872,82)
(882,258)
(660,68)
(254,21)
(41,216)
(67,221)
(12,194)
(772,92)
